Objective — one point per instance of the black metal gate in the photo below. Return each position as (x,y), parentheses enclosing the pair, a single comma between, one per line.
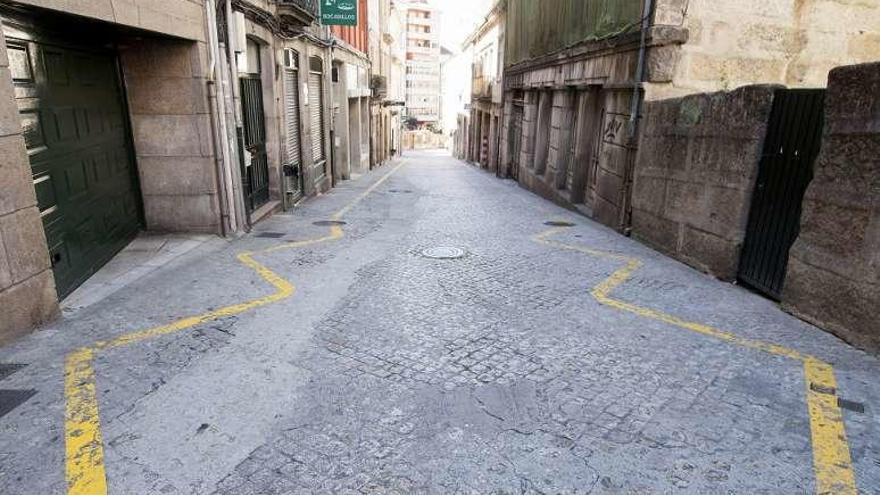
(790,148)
(256,171)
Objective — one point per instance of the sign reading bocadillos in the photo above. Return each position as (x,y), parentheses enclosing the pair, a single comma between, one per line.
(339,12)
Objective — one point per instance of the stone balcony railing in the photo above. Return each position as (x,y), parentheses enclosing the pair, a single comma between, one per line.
(481,86)
(304,9)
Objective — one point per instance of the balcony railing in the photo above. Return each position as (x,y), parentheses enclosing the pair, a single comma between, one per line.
(481,87)
(307,9)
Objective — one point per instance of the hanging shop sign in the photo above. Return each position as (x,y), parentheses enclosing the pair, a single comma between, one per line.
(339,12)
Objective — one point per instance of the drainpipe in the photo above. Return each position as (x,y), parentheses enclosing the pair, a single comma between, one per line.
(217,108)
(640,70)
(235,99)
(332,121)
(635,109)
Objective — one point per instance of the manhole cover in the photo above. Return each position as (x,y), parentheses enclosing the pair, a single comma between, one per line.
(401,191)
(270,235)
(443,253)
(328,223)
(558,223)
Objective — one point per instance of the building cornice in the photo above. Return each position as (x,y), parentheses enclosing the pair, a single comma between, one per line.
(657,36)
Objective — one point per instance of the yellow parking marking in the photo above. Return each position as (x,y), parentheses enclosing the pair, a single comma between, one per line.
(832,462)
(84,449)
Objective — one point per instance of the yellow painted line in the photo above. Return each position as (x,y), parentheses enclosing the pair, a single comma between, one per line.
(84,451)
(832,461)
(84,448)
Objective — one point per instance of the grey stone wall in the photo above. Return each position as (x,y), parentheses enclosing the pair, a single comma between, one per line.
(171,128)
(695,171)
(833,276)
(179,18)
(27,287)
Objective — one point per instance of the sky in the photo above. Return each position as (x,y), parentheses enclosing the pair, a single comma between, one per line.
(460,18)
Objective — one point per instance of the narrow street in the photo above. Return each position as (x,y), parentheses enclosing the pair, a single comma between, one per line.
(328,352)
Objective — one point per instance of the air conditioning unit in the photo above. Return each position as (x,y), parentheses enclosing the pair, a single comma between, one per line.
(291,59)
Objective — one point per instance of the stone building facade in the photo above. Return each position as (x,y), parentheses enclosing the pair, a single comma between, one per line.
(387,43)
(88,160)
(573,78)
(568,100)
(486,45)
(652,117)
(701,139)
(280,103)
(351,122)
(164,115)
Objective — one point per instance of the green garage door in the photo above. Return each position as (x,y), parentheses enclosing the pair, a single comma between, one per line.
(73,119)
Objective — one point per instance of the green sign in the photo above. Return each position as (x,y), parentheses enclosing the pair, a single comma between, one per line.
(339,12)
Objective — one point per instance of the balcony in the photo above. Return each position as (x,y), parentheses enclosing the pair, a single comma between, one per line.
(299,11)
(481,87)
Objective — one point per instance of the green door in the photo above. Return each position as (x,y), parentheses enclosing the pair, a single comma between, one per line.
(73,118)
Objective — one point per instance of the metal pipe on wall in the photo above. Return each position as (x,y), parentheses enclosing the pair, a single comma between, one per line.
(623,220)
(235,101)
(639,77)
(218,123)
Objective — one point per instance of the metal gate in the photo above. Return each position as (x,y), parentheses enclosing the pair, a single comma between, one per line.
(256,171)
(74,122)
(786,168)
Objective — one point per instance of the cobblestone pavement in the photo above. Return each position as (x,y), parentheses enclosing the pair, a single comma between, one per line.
(391,372)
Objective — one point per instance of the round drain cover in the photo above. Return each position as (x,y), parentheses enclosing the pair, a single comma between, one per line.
(443,253)
(558,223)
(328,223)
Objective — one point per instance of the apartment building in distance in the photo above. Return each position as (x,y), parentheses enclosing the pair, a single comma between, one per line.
(422,63)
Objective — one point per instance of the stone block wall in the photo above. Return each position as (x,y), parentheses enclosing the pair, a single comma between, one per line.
(180,18)
(171,128)
(615,157)
(790,42)
(833,275)
(695,170)
(27,287)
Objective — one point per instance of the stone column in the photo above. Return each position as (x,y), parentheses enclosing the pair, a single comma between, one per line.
(530,117)
(493,141)
(589,114)
(563,117)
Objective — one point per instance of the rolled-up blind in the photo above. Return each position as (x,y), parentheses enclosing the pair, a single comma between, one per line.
(316,111)
(291,107)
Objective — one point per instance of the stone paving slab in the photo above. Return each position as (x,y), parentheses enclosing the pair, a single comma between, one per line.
(390,372)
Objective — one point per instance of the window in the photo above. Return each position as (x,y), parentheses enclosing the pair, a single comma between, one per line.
(253,57)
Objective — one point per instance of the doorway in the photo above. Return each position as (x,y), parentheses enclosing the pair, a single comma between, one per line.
(256,162)
(794,136)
